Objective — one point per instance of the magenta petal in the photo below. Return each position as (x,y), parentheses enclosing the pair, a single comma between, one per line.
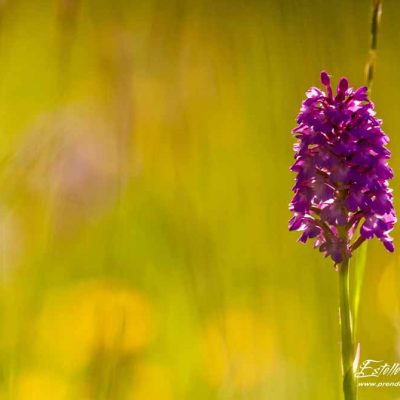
(341,164)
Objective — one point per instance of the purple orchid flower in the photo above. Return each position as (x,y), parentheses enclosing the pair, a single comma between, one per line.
(342,172)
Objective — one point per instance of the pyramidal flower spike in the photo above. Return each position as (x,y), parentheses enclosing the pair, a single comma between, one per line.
(341,194)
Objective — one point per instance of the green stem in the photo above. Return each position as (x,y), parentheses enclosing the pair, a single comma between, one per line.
(346,325)
(375,23)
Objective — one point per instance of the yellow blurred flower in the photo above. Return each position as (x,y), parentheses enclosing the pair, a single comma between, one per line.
(40,386)
(150,382)
(238,349)
(90,317)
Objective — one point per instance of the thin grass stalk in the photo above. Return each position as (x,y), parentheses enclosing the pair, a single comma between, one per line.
(371,60)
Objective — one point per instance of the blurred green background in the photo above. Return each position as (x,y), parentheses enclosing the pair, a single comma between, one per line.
(144,181)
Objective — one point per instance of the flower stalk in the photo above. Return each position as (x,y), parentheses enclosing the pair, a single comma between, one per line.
(346,325)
